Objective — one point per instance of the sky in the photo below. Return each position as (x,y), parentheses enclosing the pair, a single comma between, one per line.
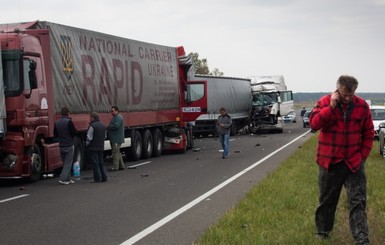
(310,42)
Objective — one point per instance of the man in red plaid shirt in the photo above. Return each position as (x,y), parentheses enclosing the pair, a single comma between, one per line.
(344,143)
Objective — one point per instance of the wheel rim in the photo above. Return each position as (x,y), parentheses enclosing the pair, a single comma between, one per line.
(35,163)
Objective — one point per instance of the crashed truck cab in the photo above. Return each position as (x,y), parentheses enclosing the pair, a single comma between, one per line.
(270,102)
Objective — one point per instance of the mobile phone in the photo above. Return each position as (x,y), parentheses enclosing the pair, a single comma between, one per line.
(339,95)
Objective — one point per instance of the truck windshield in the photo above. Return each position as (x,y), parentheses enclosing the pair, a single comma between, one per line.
(262,99)
(11,73)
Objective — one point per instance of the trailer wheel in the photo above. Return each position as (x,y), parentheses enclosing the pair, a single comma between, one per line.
(190,139)
(147,144)
(79,154)
(36,163)
(234,128)
(136,146)
(157,137)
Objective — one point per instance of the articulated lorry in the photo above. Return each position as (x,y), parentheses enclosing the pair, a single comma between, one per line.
(271,101)
(231,93)
(46,66)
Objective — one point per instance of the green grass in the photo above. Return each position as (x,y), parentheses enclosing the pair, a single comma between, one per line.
(280,210)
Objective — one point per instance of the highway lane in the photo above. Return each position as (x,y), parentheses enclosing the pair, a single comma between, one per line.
(152,203)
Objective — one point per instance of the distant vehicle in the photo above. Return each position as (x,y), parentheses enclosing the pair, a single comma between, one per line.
(271,101)
(290,117)
(381,139)
(378,116)
(305,119)
(229,92)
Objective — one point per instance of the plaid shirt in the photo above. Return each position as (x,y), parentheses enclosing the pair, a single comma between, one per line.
(346,134)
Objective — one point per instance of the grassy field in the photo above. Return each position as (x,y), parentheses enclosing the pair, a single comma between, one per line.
(280,210)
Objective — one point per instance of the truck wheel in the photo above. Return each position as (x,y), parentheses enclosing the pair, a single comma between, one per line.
(383,149)
(234,128)
(190,139)
(158,142)
(79,154)
(136,146)
(147,144)
(36,163)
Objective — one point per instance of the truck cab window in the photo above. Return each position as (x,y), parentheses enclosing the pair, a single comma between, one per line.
(26,70)
(195,92)
(11,73)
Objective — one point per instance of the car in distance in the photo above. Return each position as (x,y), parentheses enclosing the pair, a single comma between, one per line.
(378,116)
(305,119)
(290,117)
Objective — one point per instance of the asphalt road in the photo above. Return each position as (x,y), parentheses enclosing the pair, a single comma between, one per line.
(169,200)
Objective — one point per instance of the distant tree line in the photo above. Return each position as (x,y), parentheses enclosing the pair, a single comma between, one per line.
(376,98)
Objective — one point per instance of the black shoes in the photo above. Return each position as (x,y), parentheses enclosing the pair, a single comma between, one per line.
(114,169)
(322,236)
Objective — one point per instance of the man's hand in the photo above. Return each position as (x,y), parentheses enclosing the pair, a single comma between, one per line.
(334,99)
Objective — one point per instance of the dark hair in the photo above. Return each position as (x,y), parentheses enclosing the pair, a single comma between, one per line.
(64,111)
(115,108)
(94,115)
(348,82)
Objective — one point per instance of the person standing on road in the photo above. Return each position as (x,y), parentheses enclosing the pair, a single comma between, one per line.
(95,146)
(64,129)
(223,127)
(303,111)
(115,132)
(344,143)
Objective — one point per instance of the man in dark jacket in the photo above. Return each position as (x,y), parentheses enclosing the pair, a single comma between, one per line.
(95,146)
(223,127)
(344,143)
(115,132)
(65,130)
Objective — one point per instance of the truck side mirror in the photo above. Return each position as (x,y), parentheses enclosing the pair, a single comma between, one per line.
(32,74)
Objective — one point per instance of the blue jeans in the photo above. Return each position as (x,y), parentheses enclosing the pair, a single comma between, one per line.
(67,156)
(96,158)
(225,143)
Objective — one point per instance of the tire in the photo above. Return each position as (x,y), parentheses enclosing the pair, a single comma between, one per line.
(382,148)
(79,154)
(234,128)
(147,144)
(36,163)
(190,139)
(383,151)
(135,151)
(157,138)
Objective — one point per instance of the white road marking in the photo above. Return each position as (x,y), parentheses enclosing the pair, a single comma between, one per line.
(140,164)
(188,206)
(13,198)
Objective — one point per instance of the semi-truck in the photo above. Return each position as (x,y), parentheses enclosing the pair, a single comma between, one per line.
(231,93)
(271,101)
(46,66)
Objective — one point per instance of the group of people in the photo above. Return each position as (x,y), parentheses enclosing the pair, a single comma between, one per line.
(97,132)
(344,143)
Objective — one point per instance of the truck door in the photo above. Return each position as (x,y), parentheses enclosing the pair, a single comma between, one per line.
(195,100)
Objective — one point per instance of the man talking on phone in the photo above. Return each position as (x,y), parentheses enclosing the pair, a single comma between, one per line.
(344,143)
